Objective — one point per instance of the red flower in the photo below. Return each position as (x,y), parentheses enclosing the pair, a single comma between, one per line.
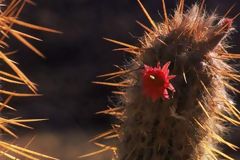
(226,23)
(156,82)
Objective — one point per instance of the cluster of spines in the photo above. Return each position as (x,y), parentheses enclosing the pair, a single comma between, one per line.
(9,15)
(229,112)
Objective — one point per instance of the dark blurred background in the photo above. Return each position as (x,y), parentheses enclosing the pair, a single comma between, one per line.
(75,58)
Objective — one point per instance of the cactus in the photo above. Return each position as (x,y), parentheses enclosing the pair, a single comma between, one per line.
(175,93)
(9,16)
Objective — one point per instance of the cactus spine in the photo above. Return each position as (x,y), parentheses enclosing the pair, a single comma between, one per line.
(187,121)
(9,14)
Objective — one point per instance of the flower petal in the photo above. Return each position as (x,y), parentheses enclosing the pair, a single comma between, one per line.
(165,67)
(171,88)
(171,77)
(165,94)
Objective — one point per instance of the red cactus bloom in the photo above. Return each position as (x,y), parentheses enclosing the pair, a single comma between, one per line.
(227,23)
(156,82)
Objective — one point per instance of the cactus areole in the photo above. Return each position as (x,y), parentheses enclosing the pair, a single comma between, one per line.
(180,117)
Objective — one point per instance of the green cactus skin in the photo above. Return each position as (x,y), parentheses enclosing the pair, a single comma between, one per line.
(192,123)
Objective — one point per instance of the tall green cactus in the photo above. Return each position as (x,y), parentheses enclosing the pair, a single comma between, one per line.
(175,94)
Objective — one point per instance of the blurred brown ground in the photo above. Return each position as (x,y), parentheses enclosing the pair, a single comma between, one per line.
(66,145)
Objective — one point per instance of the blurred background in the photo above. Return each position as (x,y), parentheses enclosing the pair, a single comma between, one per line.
(74,59)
